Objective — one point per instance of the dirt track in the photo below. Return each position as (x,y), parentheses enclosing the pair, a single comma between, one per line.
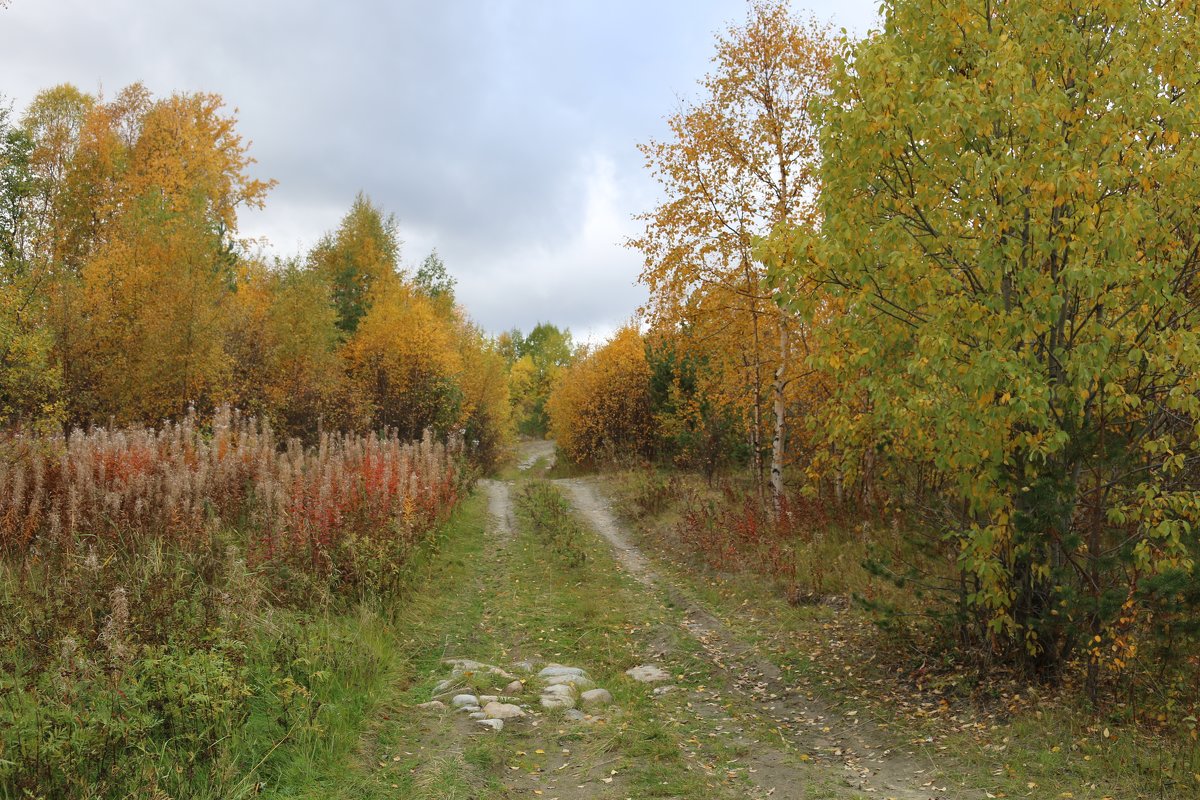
(807,727)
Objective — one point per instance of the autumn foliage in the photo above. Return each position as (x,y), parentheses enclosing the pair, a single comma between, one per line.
(168,564)
(600,407)
(129,296)
(739,161)
(946,276)
(338,511)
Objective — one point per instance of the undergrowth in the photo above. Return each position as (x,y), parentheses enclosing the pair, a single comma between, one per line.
(185,609)
(836,616)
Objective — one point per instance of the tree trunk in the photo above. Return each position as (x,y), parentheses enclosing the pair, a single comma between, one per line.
(752,306)
(755,427)
(779,440)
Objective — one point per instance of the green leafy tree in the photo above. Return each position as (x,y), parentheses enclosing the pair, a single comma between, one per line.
(433,279)
(695,431)
(360,260)
(28,384)
(535,362)
(1010,217)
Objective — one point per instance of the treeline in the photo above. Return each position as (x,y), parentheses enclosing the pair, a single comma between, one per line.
(206,458)
(535,362)
(945,276)
(128,295)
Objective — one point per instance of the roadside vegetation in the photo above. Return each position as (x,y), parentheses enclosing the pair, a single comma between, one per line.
(807,598)
(913,405)
(217,469)
(921,351)
(187,608)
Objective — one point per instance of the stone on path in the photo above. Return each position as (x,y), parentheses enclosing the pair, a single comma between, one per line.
(559,690)
(467,666)
(494,724)
(477,715)
(558,670)
(595,697)
(460,700)
(553,701)
(514,688)
(496,710)
(432,705)
(648,673)
(578,681)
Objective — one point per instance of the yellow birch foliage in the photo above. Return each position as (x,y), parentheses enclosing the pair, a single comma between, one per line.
(404,360)
(739,162)
(600,406)
(153,289)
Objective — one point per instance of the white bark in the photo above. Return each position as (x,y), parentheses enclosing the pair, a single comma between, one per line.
(779,440)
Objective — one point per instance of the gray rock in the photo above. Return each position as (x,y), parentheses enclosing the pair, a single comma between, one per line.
(432,705)
(559,690)
(460,700)
(494,724)
(575,715)
(648,673)
(557,670)
(477,715)
(514,688)
(578,681)
(467,666)
(470,709)
(443,686)
(495,710)
(553,701)
(595,697)
(661,690)
(484,699)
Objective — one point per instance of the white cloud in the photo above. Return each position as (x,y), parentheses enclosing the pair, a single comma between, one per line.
(587,279)
(501,132)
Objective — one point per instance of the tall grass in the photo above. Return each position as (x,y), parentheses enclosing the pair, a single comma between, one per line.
(159,589)
(122,490)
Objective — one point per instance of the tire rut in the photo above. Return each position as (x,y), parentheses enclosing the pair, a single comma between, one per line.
(500,509)
(819,732)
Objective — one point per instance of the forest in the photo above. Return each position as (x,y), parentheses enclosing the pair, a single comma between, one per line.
(913,408)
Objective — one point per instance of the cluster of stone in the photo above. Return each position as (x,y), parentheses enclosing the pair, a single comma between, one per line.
(560,687)
(565,687)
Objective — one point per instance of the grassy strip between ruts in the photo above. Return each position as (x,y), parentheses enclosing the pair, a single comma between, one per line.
(553,593)
(1037,745)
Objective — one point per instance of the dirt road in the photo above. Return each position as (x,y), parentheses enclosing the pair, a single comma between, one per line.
(806,726)
(656,696)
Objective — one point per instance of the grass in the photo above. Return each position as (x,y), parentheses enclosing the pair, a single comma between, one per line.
(554,593)
(412,637)
(201,689)
(1015,741)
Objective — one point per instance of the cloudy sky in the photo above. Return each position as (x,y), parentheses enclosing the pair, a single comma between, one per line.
(501,132)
